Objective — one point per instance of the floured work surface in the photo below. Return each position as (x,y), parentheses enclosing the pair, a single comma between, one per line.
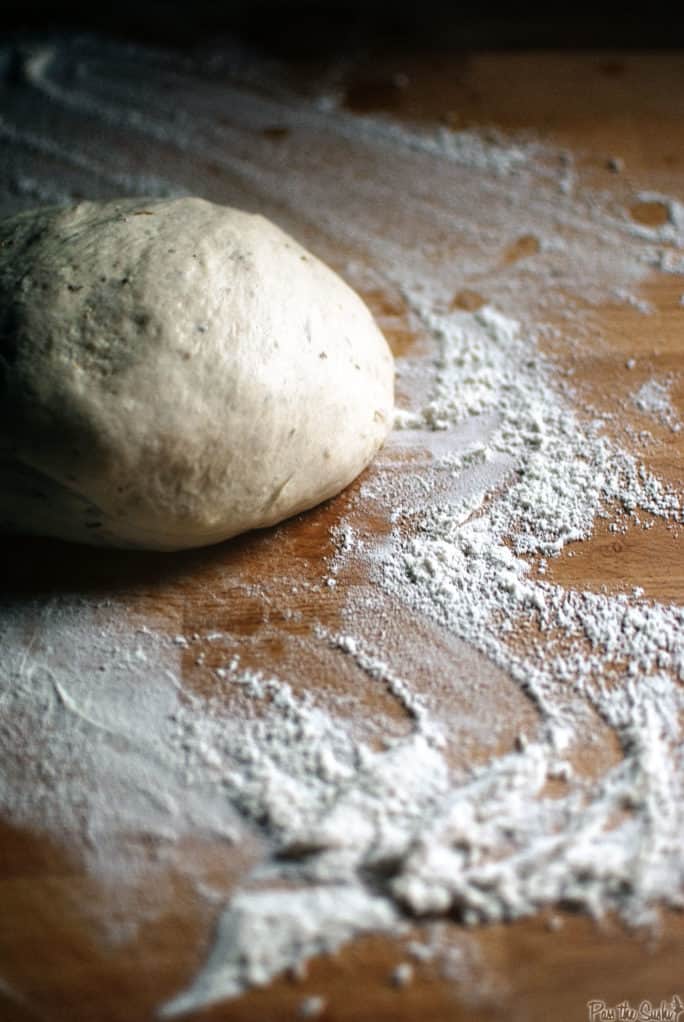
(433,727)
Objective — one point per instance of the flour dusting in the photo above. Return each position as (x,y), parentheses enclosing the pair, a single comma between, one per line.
(653,398)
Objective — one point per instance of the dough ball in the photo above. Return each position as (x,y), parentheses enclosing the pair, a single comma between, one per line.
(175,372)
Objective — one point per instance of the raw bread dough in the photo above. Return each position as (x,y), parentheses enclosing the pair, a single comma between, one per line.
(175,372)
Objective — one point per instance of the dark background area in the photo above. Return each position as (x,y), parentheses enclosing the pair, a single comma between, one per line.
(312,28)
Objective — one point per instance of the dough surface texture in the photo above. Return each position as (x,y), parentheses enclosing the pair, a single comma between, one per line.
(173,373)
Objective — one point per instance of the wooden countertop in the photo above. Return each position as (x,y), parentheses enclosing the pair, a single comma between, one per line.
(53,964)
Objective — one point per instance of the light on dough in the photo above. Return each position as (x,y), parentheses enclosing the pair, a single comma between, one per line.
(173,372)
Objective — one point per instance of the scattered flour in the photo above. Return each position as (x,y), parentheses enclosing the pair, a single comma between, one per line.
(312,1007)
(672,261)
(402,975)
(672,230)
(653,398)
(629,299)
(349,834)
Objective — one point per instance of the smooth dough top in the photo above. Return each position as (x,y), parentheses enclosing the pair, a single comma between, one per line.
(173,372)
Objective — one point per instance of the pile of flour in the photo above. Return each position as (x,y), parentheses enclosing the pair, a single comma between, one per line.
(494,471)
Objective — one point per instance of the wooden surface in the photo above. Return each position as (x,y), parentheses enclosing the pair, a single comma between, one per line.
(53,961)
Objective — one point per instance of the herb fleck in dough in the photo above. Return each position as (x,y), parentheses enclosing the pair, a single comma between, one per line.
(175,372)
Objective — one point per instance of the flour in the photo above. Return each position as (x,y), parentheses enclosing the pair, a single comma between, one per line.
(462,563)
(98,727)
(625,296)
(312,1007)
(671,261)
(653,398)
(262,934)
(672,230)
(402,975)
(495,473)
